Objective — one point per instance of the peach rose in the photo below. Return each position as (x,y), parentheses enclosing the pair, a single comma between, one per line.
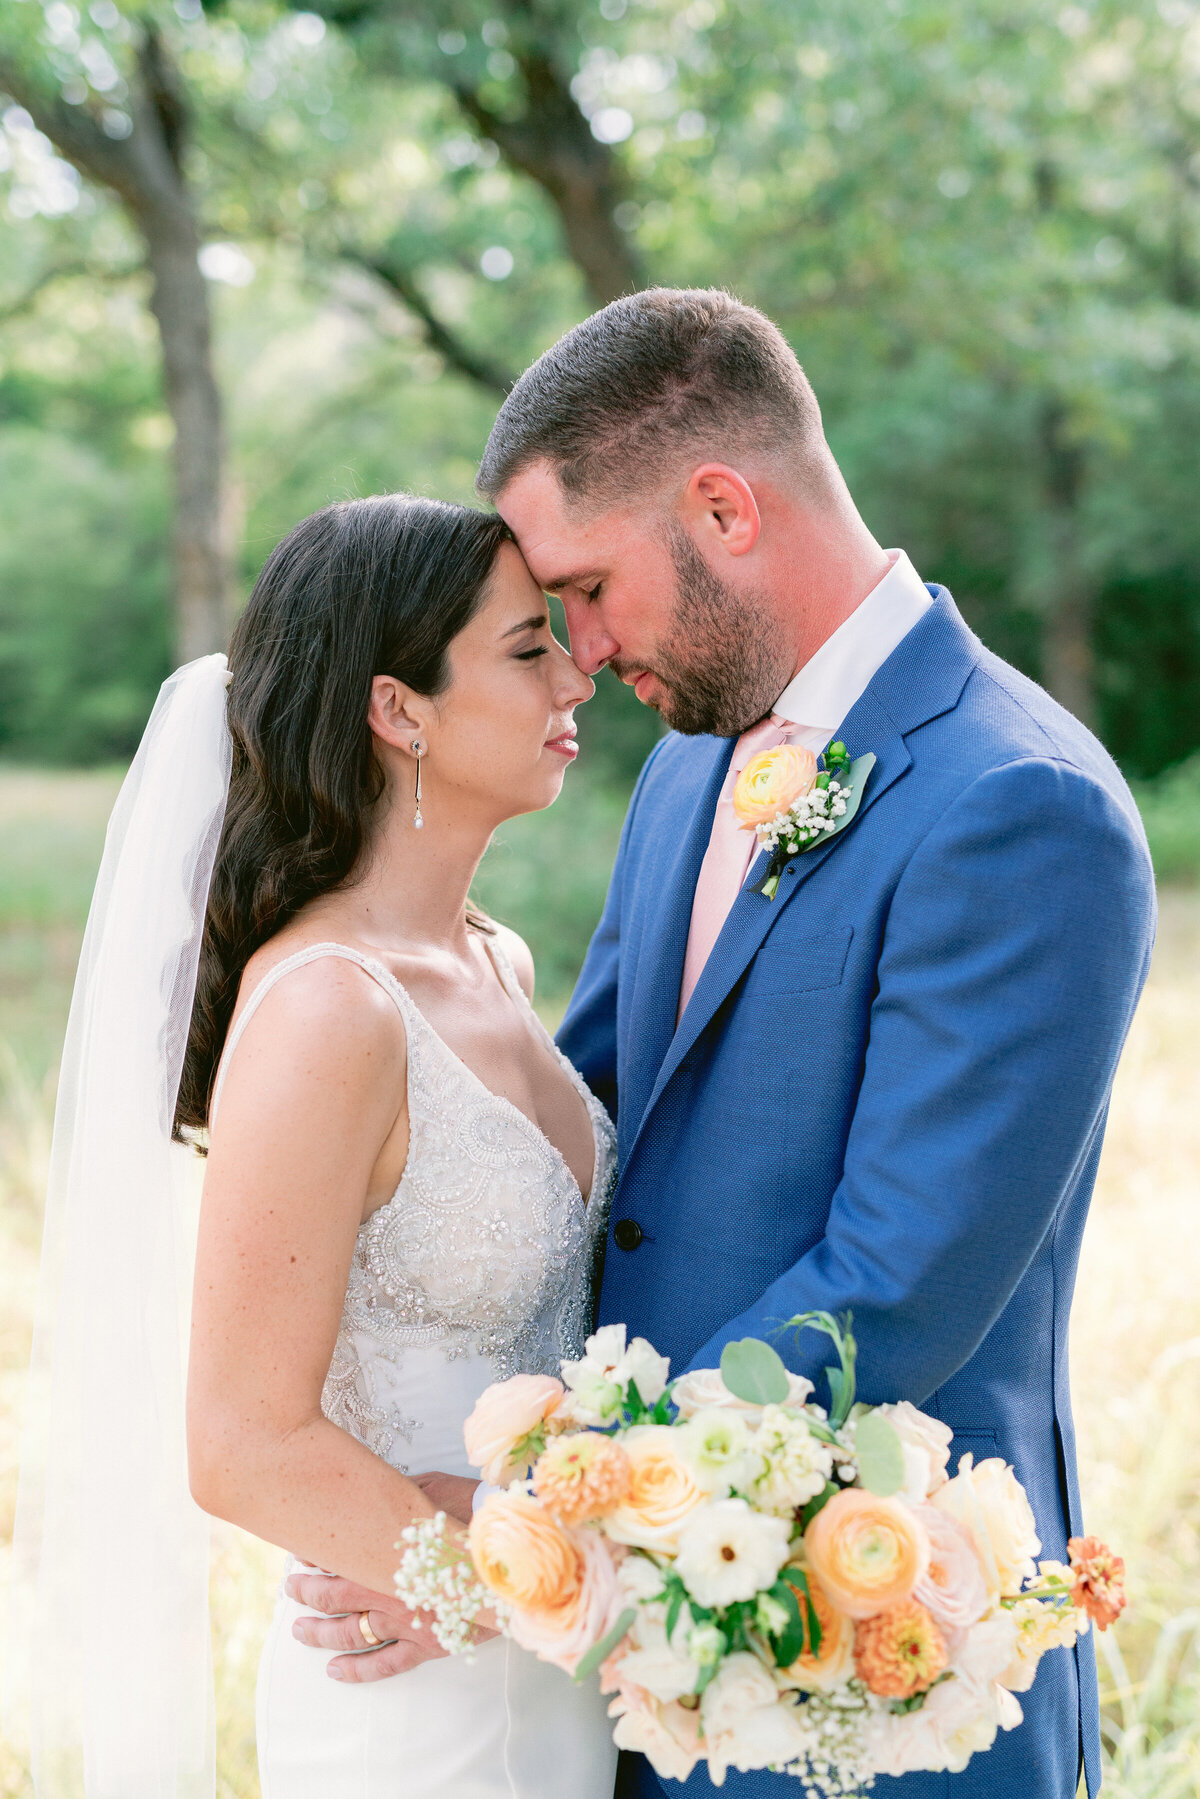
(564,1632)
(991,1505)
(771,782)
(833,1662)
(868,1553)
(523,1555)
(952,1586)
(662,1491)
(504,1413)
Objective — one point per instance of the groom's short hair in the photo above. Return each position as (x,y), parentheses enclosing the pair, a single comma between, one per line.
(619,402)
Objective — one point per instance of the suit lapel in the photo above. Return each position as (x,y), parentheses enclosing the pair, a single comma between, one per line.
(922,678)
(674,870)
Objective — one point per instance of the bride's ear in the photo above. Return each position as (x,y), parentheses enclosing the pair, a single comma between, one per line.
(396,715)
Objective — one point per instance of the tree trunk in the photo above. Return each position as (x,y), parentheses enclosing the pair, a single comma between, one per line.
(1068,658)
(144,170)
(199,530)
(554,146)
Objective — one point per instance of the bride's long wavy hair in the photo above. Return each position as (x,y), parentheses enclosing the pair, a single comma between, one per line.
(368,587)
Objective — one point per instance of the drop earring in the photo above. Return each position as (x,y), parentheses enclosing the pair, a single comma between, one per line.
(418,752)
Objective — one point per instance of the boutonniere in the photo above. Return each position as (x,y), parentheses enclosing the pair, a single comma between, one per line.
(793,802)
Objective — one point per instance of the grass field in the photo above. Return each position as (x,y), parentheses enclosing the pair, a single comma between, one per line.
(1136,1333)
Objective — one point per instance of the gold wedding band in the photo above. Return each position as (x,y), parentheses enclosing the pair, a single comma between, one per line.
(368,1635)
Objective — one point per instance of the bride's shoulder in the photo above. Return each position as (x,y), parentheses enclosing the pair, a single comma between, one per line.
(518,953)
(296,991)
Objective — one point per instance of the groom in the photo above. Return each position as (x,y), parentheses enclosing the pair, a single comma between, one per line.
(883,1091)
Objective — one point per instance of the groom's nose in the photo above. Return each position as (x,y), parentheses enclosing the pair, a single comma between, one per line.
(591,644)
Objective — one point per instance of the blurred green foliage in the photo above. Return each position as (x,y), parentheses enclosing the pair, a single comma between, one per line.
(978,222)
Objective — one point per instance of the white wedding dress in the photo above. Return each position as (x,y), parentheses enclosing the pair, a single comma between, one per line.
(480,1266)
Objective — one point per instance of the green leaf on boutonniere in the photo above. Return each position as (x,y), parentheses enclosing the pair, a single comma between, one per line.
(879,1454)
(854,782)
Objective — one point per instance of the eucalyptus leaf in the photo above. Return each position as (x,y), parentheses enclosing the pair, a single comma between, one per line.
(753,1371)
(600,1651)
(880,1455)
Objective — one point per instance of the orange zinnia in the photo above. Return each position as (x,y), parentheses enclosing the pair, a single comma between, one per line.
(1099,1580)
(899,1652)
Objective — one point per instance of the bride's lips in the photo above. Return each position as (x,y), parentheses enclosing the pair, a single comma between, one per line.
(565,745)
(641,687)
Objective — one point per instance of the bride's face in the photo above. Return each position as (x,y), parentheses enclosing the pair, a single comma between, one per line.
(501,736)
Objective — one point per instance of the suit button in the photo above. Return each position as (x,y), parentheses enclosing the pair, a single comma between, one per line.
(627,1233)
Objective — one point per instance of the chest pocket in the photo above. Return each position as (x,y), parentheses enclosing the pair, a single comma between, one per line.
(786,966)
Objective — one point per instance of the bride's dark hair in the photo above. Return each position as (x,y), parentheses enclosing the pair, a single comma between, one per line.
(367,587)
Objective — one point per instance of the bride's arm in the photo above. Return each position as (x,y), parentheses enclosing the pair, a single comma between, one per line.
(312,1110)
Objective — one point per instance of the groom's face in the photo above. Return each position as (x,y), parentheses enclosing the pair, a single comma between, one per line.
(640,599)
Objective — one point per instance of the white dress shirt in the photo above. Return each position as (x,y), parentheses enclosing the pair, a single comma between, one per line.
(837,676)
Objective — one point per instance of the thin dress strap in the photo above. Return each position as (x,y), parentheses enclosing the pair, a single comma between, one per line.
(314,953)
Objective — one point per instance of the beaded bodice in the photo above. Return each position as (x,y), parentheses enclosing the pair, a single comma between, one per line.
(487,1249)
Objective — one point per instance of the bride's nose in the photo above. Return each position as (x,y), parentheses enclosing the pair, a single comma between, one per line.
(573,687)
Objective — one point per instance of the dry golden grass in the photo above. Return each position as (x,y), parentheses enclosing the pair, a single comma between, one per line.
(1135,1339)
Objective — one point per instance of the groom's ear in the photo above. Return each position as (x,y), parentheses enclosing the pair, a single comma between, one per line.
(719,505)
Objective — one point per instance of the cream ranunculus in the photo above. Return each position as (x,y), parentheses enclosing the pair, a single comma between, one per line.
(704,1387)
(1040,1627)
(771,782)
(663,1491)
(990,1503)
(504,1413)
(728,1552)
(926,1445)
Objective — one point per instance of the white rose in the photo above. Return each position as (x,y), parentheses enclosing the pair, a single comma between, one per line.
(747,1725)
(667,1735)
(595,1391)
(704,1387)
(991,1505)
(926,1445)
(715,1444)
(728,1552)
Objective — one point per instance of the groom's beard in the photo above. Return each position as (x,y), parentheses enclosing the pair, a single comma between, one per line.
(727,663)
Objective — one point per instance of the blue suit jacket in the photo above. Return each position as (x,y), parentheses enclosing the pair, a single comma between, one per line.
(888,1091)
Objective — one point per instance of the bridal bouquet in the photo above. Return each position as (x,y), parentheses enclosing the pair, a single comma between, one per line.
(757,1582)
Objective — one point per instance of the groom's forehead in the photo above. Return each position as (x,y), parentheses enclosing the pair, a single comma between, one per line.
(563,546)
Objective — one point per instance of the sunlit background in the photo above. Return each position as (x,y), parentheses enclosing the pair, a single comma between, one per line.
(342,233)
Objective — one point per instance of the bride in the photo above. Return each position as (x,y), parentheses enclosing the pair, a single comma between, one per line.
(406,1183)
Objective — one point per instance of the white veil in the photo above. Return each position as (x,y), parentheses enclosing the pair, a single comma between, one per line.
(110,1678)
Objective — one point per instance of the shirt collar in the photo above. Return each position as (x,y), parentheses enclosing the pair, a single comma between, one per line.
(835,678)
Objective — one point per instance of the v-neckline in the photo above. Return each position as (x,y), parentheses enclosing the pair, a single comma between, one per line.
(501,1099)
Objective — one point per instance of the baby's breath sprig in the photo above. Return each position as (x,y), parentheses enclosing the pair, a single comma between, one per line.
(436,1576)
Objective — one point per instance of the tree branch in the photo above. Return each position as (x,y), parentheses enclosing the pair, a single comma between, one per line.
(64,271)
(440,337)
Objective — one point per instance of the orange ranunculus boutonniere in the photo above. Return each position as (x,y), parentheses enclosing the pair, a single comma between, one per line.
(792,804)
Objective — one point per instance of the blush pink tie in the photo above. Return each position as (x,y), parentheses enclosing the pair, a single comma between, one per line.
(728,856)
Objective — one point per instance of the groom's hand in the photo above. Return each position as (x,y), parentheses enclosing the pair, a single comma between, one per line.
(342,1604)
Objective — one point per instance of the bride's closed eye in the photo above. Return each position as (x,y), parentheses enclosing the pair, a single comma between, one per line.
(528,655)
